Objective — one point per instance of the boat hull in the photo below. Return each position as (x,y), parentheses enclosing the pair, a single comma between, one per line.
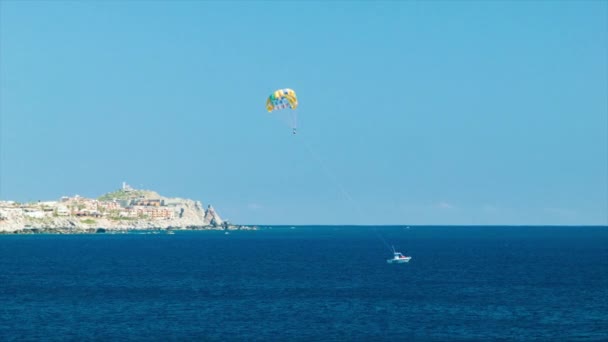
(399,261)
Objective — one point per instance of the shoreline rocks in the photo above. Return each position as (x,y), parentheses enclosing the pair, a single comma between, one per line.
(156,230)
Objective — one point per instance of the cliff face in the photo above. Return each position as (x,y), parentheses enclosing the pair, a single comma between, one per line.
(212,218)
(145,212)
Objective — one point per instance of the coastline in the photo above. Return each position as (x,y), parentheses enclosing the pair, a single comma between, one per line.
(155,230)
(124,210)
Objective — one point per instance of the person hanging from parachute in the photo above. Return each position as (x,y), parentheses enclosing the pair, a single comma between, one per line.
(284,99)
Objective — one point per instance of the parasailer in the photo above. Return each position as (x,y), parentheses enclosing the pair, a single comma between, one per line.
(283,99)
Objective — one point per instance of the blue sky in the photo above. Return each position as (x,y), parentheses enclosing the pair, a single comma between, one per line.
(410,112)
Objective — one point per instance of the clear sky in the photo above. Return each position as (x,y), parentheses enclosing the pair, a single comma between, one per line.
(410,112)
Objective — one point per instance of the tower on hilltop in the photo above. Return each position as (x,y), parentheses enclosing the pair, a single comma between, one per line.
(126,187)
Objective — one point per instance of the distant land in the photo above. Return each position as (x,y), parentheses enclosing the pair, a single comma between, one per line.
(126,209)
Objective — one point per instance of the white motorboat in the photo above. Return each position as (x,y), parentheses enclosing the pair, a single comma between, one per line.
(398,258)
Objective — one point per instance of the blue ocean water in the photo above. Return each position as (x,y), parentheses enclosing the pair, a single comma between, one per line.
(308,284)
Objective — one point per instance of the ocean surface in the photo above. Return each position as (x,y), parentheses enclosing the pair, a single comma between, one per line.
(308,284)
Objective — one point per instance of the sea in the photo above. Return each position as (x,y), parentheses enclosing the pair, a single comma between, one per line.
(308,283)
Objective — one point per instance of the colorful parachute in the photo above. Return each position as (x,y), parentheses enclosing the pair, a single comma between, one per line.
(281,99)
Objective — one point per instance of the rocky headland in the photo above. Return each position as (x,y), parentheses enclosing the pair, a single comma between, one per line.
(120,211)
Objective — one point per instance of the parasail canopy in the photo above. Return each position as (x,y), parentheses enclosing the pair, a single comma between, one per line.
(282,99)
